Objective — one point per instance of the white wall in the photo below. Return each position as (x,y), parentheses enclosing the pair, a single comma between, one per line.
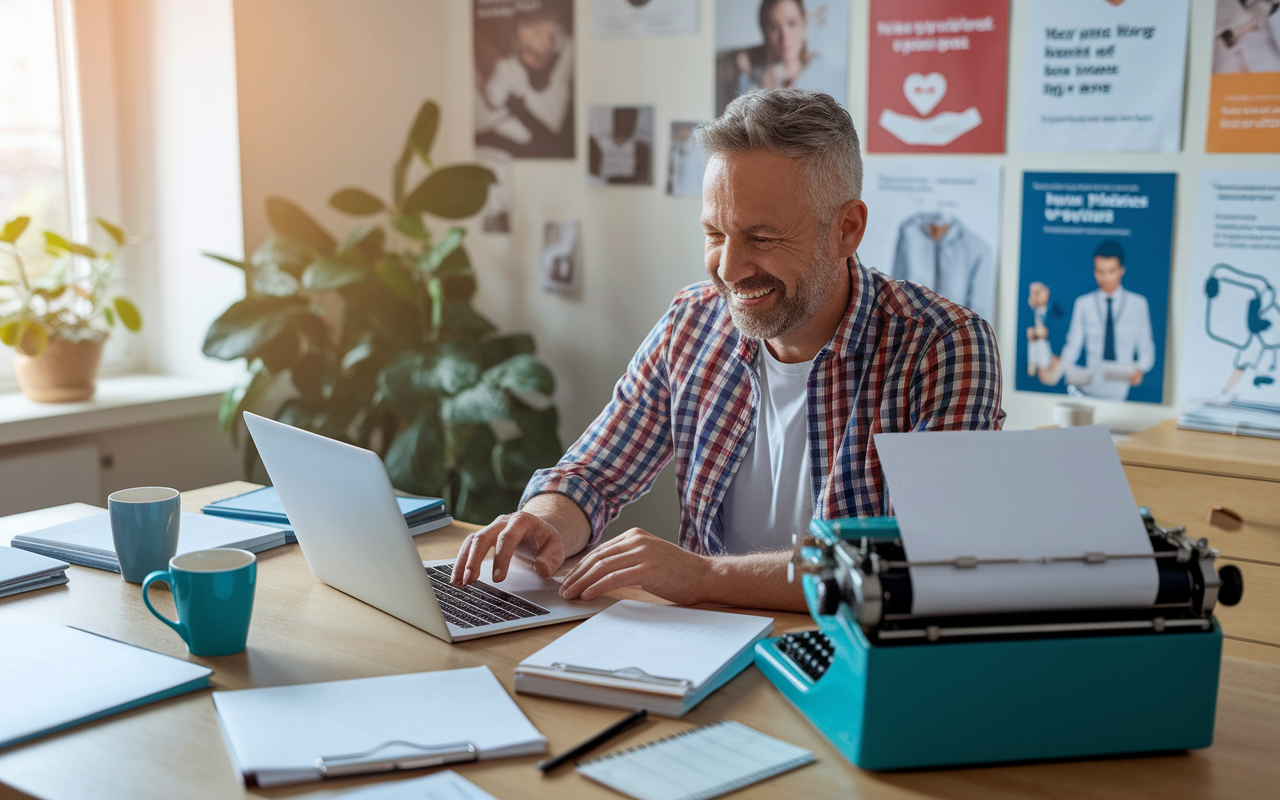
(327,90)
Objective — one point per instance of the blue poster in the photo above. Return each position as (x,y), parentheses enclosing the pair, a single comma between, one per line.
(1093,281)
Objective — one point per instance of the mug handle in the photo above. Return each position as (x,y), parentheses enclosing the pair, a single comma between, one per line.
(164,577)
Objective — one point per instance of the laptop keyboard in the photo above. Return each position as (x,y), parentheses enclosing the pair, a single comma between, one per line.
(478,604)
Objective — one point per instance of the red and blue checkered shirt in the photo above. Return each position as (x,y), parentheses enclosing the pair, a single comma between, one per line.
(902,359)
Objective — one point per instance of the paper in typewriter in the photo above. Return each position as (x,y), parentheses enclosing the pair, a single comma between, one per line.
(1016,494)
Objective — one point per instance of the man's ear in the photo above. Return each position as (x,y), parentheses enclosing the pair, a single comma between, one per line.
(850,225)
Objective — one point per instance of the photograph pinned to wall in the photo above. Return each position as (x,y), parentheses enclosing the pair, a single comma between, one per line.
(524,77)
(619,19)
(559,263)
(766,44)
(687,163)
(938,84)
(938,225)
(1229,366)
(620,145)
(1093,286)
(1244,115)
(495,216)
(1105,76)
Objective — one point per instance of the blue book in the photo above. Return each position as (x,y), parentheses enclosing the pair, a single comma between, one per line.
(263,506)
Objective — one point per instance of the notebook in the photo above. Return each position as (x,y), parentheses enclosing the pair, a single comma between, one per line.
(262,506)
(666,659)
(53,677)
(21,571)
(291,734)
(697,764)
(88,541)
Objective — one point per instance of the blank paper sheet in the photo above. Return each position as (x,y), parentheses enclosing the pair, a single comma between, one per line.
(1016,494)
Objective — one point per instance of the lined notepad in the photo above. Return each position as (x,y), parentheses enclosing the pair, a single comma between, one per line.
(697,764)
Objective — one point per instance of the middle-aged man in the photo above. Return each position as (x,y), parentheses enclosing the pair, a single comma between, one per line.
(1112,325)
(765,384)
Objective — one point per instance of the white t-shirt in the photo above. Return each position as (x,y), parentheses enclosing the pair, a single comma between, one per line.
(771,495)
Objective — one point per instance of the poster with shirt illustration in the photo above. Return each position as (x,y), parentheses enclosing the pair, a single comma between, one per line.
(937,84)
(1104,75)
(935,222)
(1093,283)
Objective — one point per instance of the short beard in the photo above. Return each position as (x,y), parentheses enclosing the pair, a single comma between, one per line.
(790,310)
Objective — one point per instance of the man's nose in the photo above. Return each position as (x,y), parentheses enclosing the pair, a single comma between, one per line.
(735,262)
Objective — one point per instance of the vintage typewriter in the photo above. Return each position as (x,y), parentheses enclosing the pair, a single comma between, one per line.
(892,689)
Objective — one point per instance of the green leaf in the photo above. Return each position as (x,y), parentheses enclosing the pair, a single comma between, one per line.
(272,280)
(248,325)
(224,259)
(396,277)
(109,317)
(311,326)
(358,354)
(411,226)
(14,228)
(520,373)
(451,192)
(356,202)
(497,349)
(9,332)
(443,249)
(114,231)
(477,406)
(129,314)
(56,245)
(280,352)
(282,253)
(32,339)
(423,132)
(367,242)
(353,240)
(515,460)
(308,373)
(290,220)
(459,319)
(333,273)
(51,292)
(415,461)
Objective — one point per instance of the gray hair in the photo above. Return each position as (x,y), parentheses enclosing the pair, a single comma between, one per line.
(808,126)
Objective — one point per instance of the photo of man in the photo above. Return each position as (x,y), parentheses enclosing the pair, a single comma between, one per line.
(620,147)
(524,77)
(1112,327)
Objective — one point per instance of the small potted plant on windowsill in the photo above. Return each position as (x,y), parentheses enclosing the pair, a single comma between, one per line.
(57,322)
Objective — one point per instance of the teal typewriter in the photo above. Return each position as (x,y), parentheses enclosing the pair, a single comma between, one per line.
(892,689)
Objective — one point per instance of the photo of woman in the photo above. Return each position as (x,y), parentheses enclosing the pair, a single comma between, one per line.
(779,43)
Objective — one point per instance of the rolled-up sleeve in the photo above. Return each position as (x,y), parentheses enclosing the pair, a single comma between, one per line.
(619,456)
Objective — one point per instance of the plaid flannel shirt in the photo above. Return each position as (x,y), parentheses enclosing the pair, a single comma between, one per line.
(901,359)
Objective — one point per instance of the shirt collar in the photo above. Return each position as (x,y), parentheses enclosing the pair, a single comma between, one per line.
(852,328)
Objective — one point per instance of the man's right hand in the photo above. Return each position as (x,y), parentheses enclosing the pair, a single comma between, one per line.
(504,536)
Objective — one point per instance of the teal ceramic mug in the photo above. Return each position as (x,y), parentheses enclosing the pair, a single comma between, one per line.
(213,593)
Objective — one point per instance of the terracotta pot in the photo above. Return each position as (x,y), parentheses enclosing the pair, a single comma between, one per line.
(66,372)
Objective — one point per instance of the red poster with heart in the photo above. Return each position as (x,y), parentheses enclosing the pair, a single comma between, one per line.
(937,76)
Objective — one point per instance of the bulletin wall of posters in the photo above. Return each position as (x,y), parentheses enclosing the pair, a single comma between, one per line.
(938,82)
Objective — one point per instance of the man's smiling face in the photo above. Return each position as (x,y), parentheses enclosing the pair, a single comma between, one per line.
(767,248)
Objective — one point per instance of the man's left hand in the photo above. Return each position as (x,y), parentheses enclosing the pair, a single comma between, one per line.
(1136,378)
(638,558)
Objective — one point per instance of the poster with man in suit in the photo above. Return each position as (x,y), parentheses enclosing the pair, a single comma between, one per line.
(1099,245)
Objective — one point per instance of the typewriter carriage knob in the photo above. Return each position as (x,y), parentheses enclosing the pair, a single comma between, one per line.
(1232,588)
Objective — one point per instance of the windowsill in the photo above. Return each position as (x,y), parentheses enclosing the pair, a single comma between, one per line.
(120,402)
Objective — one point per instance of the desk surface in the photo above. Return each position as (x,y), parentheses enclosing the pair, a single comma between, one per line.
(304,631)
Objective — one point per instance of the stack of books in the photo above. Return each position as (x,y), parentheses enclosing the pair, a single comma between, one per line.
(88,541)
(22,572)
(262,506)
(1236,417)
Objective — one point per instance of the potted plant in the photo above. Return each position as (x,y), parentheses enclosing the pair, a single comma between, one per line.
(375,342)
(57,322)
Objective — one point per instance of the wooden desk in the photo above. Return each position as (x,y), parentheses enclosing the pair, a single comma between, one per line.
(304,631)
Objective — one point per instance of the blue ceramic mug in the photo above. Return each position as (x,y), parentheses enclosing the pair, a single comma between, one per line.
(144,529)
(213,593)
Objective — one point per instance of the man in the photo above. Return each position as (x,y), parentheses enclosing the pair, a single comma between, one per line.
(765,384)
(1113,327)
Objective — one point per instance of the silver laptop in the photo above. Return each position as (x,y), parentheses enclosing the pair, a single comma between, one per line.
(354,537)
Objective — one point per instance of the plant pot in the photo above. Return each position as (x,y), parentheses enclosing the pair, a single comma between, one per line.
(66,372)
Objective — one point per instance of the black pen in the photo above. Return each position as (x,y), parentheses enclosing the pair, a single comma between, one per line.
(594,742)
